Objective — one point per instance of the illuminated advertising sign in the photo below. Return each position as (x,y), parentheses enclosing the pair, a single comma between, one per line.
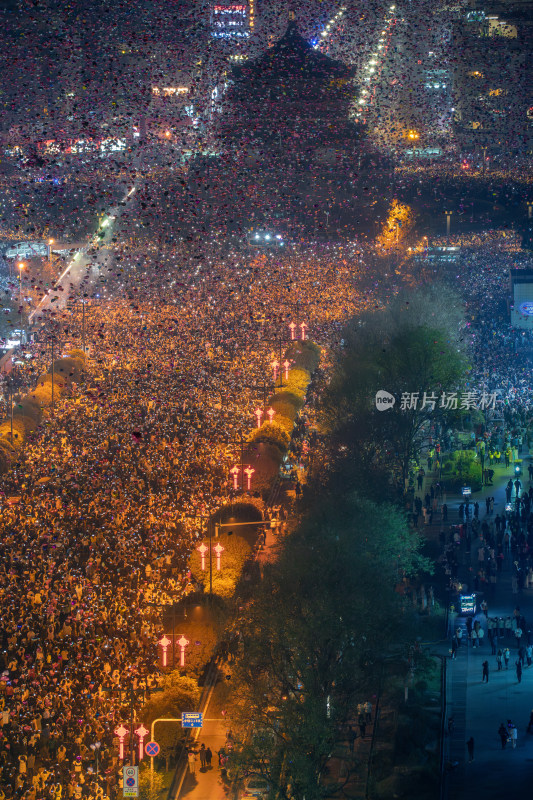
(231,20)
(467,603)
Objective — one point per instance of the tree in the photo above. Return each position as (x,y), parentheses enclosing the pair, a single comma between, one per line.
(406,351)
(316,627)
(179,694)
(151,785)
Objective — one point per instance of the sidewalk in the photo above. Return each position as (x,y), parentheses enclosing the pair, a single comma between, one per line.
(206,783)
(478,709)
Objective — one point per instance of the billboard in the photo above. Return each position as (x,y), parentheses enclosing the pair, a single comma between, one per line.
(522,299)
(27,250)
(229,20)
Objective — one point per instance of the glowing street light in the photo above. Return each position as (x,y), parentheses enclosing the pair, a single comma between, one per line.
(258,413)
(121,732)
(164,642)
(292,328)
(202,550)
(270,413)
(275,365)
(218,550)
(182,642)
(20,267)
(448,219)
(235,472)
(249,472)
(303,326)
(141,732)
(286,365)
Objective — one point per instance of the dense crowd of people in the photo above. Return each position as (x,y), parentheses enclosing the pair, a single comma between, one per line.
(100,514)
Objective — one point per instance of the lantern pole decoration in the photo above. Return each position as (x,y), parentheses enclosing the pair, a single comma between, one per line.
(164,642)
(182,642)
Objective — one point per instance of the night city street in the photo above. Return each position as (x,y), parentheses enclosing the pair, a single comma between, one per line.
(266,408)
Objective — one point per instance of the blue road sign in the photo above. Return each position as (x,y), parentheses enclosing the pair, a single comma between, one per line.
(191,719)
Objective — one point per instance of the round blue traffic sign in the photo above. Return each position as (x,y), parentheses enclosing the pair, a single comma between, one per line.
(152,749)
(130,781)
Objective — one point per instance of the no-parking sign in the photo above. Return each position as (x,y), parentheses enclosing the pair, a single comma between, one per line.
(152,749)
(130,776)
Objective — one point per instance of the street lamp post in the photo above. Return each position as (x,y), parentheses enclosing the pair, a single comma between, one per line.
(21,266)
(141,732)
(164,642)
(182,642)
(448,222)
(218,552)
(202,550)
(484,151)
(50,243)
(529,209)
(249,472)
(121,732)
(10,395)
(95,747)
(83,326)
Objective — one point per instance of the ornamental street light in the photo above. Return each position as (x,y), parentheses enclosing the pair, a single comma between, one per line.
(95,747)
(202,550)
(303,328)
(164,642)
(141,732)
(275,365)
(235,472)
(270,413)
(182,642)
(20,267)
(121,732)
(259,414)
(286,365)
(448,219)
(249,472)
(292,328)
(218,552)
